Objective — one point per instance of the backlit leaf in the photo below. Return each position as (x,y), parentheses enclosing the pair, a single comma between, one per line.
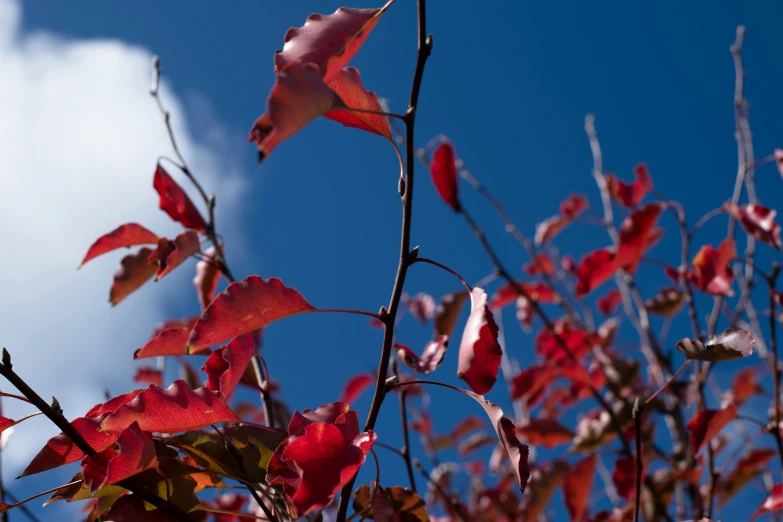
(421,306)
(433,354)
(609,302)
(171,341)
(479,351)
(177,408)
(127,235)
(170,254)
(508,293)
(355,386)
(135,453)
(708,423)
(347,84)
(630,194)
(711,272)
(443,171)
(148,375)
(245,306)
(577,486)
(225,366)
(750,466)
(176,203)
(133,272)
(545,432)
(758,221)
(207,277)
(570,209)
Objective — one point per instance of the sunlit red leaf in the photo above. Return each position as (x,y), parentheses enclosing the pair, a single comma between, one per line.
(750,466)
(297,98)
(225,366)
(127,235)
(638,234)
(708,423)
(734,343)
(443,171)
(773,502)
(134,270)
(347,84)
(595,269)
(207,277)
(171,341)
(176,203)
(433,354)
(323,451)
(148,375)
(447,312)
(243,307)
(573,206)
(540,265)
(630,194)
(609,302)
(233,503)
(743,387)
(355,386)
(135,453)
(61,450)
(170,254)
(422,307)
(711,272)
(177,408)
(577,340)
(624,477)
(112,404)
(531,382)
(570,209)
(545,432)
(667,302)
(329,41)
(508,293)
(479,351)
(758,221)
(577,486)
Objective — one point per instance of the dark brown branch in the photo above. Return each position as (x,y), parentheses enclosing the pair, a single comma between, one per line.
(405,187)
(262,376)
(405,452)
(56,416)
(637,417)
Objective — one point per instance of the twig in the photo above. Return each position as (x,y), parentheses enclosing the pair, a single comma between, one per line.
(54,413)
(449,499)
(443,267)
(406,193)
(23,508)
(405,452)
(262,376)
(637,417)
(773,347)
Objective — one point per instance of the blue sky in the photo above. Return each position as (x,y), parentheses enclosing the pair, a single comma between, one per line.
(509,85)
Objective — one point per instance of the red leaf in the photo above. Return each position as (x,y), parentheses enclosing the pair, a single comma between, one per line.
(748,467)
(577,486)
(328,41)
(170,254)
(545,432)
(175,203)
(465,426)
(225,366)
(111,405)
(743,387)
(134,271)
(347,84)
(711,272)
(177,408)
(624,477)
(570,209)
(630,194)
(322,453)
(171,341)
(207,277)
(578,341)
(708,423)
(757,221)
(530,383)
(474,443)
(127,235)
(507,434)
(148,375)
(61,450)
(479,351)
(638,234)
(131,508)
(422,307)
(355,386)
(595,269)
(540,265)
(507,294)
(245,306)
(297,98)
(609,302)
(136,453)
(433,354)
(774,502)
(443,171)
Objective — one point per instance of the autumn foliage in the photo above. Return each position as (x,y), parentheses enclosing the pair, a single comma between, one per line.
(612,424)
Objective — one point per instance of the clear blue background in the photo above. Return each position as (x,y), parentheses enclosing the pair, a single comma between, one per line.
(510,84)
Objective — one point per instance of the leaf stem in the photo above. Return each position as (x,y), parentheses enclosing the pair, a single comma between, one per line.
(343,311)
(666,385)
(444,267)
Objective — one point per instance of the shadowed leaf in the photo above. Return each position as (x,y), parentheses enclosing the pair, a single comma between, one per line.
(133,272)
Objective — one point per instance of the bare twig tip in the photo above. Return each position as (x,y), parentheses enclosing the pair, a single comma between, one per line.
(6,358)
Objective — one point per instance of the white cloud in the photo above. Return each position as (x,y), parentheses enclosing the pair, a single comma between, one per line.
(79,137)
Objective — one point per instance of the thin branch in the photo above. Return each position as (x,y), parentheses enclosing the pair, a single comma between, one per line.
(405,187)
(23,508)
(666,385)
(262,376)
(405,452)
(773,347)
(447,498)
(637,417)
(443,267)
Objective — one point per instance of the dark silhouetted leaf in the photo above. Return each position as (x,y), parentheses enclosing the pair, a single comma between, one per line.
(447,312)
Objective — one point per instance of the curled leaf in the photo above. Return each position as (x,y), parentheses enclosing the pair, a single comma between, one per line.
(734,343)
(176,203)
(667,302)
(127,235)
(347,84)
(225,366)
(422,307)
(630,194)
(207,277)
(135,453)
(245,306)
(711,272)
(170,254)
(133,272)
(433,354)
(479,351)
(758,221)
